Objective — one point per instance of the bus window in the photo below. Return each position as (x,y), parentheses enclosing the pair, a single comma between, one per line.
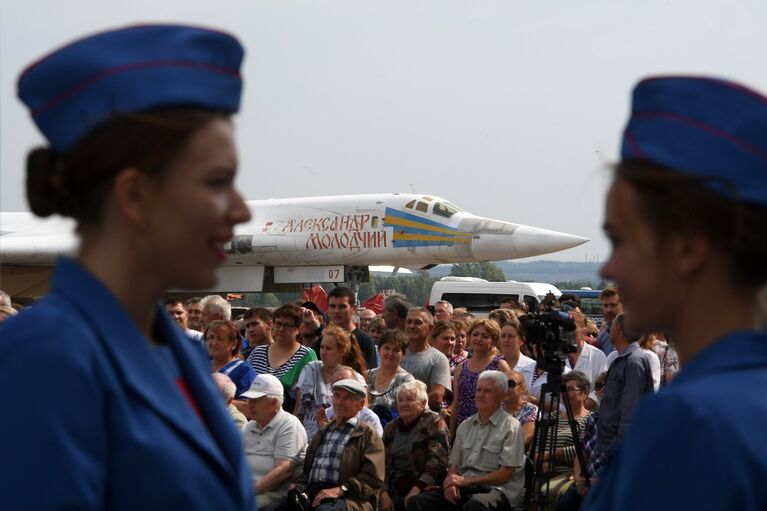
(532,303)
(591,306)
(475,302)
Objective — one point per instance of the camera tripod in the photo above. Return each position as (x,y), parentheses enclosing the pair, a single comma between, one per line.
(545,441)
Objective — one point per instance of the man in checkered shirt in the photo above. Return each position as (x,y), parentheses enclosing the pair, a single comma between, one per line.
(344,464)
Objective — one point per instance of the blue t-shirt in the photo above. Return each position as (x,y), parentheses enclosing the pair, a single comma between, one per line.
(241,373)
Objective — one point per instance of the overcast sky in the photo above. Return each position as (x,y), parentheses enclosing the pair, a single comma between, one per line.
(510,109)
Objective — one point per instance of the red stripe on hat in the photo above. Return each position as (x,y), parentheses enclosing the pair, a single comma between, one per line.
(84,84)
(755,151)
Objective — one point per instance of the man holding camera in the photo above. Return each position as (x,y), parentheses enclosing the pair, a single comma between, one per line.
(344,464)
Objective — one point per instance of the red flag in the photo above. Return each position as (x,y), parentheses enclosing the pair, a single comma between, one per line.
(318,296)
(375,303)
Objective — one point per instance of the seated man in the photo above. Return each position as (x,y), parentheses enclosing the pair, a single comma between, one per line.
(275,441)
(367,415)
(487,459)
(344,465)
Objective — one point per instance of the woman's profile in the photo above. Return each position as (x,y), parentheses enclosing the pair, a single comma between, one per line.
(687,215)
(113,407)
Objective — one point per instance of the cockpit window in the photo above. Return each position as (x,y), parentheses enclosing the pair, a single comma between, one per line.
(445,209)
(422,206)
(410,204)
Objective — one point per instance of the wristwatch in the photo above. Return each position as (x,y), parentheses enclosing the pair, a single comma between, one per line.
(344,490)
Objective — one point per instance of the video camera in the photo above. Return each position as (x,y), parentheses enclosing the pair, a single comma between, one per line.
(552,335)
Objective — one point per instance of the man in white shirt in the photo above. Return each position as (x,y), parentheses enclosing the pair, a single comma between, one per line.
(587,359)
(275,442)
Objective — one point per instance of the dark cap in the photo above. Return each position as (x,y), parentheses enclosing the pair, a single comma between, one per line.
(312,307)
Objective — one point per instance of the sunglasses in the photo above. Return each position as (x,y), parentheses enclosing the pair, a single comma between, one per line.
(513,383)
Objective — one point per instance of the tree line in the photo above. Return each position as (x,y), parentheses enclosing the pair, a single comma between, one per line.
(416,286)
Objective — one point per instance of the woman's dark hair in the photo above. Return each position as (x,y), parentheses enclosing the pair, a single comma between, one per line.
(394,337)
(75,184)
(289,311)
(440,327)
(673,202)
(580,380)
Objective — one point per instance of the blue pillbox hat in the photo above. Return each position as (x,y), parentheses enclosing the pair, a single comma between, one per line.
(77,88)
(705,127)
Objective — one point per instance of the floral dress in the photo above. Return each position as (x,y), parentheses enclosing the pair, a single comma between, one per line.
(528,413)
(467,387)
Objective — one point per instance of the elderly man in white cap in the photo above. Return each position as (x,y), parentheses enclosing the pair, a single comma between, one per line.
(344,465)
(275,441)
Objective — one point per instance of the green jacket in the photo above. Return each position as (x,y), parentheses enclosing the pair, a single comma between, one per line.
(362,466)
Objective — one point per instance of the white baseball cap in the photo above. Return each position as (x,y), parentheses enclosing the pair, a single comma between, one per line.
(264,385)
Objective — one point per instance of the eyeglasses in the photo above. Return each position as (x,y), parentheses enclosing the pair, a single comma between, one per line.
(279,324)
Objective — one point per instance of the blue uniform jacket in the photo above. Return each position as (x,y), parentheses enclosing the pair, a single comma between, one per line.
(701,442)
(90,420)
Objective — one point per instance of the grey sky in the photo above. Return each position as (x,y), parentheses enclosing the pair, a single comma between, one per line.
(510,109)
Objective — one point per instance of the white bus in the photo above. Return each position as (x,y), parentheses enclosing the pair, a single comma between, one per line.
(480,296)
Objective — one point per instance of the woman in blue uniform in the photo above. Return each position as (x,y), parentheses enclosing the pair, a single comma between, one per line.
(106,404)
(687,218)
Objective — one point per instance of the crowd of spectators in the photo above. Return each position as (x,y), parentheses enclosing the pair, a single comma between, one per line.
(444,415)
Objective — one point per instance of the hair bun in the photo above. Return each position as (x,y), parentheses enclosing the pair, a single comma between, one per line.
(45,196)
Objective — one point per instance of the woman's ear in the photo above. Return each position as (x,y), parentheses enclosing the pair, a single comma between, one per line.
(131,193)
(691,253)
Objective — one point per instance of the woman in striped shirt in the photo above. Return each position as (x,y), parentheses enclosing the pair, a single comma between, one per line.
(286,356)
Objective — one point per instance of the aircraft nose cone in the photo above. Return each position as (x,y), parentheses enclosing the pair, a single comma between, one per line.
(520,241)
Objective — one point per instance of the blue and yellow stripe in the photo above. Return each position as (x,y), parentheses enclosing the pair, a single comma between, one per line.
(413,231)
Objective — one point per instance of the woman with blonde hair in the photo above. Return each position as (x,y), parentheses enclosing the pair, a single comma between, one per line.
(313,389)
(222,339)
(484,335)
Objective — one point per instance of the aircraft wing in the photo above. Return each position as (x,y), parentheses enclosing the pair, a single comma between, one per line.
(28,240)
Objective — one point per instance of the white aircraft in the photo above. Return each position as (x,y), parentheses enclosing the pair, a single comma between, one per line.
(292,242)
